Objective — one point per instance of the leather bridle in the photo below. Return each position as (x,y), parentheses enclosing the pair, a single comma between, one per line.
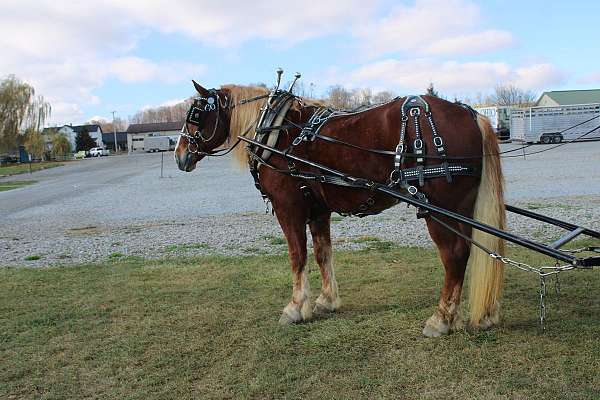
(201,106)
(211,103)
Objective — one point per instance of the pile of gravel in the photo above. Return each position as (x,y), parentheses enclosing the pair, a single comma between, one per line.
(248,234)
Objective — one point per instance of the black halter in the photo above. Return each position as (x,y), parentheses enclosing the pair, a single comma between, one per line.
(211,103)
(200,106)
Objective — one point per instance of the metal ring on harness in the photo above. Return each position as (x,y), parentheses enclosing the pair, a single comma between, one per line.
(189,147)
(418,144)
(437,141)
(412,190)
(415,111)
(396,176)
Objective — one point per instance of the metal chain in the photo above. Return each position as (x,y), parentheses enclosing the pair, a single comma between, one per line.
(542,302)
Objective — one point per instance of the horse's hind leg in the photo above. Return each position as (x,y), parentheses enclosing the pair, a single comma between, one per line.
(293,224)
(320,229)
(454,253)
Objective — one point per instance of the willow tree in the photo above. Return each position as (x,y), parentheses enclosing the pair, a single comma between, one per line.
(60,145)
(20,111)
(34,144)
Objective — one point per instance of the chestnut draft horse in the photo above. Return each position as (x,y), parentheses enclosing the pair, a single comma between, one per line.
(223,114)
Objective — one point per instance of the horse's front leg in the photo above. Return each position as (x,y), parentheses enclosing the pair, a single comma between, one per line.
(320,229)
(293,224)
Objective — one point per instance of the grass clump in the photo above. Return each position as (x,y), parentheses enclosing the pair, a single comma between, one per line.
(16,169)
(4,186)
(206,327)
(275,240)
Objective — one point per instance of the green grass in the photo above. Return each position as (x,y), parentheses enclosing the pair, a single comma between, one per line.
(16,169)
(206,328)
(539,206)
(275,240)
(32,258)
(336,219)
(4,186)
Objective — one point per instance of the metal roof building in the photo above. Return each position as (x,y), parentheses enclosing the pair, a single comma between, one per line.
(568,97)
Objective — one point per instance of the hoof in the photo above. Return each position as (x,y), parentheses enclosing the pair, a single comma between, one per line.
(324,306)
(487,321)
(436,327)
(286,319)
(484,324)
(293,314)
(321,309)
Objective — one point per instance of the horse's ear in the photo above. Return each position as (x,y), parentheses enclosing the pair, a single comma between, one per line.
(199,88)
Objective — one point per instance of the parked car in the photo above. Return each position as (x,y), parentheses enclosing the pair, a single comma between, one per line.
(98,152)
(80,155)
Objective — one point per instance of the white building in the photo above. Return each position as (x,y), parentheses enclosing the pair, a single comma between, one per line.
(70,131)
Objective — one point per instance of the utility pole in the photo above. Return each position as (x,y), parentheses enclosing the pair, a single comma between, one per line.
(115,132)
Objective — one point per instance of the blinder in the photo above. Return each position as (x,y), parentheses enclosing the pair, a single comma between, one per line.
(196,115)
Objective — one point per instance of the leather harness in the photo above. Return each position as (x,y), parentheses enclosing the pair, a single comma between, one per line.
(274,114)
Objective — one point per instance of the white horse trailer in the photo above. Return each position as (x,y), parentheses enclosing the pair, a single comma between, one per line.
(157,143)
(499,117)
(550,124)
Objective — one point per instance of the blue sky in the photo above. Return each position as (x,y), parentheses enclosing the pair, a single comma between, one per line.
(90,58)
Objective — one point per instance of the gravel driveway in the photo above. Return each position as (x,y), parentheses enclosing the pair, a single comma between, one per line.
(98,209)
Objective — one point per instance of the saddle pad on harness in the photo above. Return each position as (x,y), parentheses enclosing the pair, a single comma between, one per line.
(273,116)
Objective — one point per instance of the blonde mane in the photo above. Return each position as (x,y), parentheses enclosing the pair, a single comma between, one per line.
(244,116)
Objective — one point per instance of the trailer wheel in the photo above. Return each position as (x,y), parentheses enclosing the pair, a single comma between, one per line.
(545,139)
(557,139)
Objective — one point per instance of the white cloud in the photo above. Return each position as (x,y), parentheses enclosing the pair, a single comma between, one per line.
(538,76)
(432,27)
(234,22)
(69,49)
(413,76)
(135,69)
(471,43)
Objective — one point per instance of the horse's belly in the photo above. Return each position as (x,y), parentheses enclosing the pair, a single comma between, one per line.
(354,201)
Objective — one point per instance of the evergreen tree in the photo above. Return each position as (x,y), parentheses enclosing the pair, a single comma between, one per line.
(431,91)
(83,141)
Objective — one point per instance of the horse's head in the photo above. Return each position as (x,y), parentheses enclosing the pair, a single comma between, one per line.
(206,127)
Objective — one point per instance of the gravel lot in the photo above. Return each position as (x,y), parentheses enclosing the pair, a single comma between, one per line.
(99,209)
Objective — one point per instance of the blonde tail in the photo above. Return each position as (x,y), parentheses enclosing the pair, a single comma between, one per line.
(487,274)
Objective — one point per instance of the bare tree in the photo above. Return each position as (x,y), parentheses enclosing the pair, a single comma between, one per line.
(511,95)
(362,97)
(172,113)
(107,126)
(339,97)
(383,97)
